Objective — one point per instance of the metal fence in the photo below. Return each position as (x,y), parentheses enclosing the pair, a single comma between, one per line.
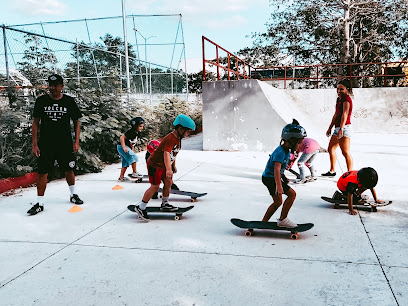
(90,53)
(228,66)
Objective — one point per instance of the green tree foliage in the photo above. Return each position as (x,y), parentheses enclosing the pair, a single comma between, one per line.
(333,31)
(195,81)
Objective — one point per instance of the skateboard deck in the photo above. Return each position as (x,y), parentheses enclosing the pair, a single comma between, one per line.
(251,225)
(193,195)
(371,204)
(153,209)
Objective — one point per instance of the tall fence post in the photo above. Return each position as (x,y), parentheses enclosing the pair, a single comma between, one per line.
(77,58)
(6,56)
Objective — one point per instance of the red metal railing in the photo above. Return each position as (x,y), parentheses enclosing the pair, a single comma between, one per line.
(241,66)
(379,73)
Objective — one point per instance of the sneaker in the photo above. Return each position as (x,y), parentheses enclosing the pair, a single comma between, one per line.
(168,207)
(35,209)
(123,179)
(142,213)
(365,197)
(286,223)
(329,173)
(136,175)
(155,196)
(339,196)
(75,199)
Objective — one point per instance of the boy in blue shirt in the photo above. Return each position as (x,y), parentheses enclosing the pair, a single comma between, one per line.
(273,177)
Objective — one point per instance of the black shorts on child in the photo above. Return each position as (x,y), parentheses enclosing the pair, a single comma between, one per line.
(269,182)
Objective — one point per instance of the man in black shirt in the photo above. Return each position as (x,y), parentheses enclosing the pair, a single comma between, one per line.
(52,117)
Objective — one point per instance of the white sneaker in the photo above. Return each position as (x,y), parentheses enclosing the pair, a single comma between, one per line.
(123,179)
(286,223)
(136,175)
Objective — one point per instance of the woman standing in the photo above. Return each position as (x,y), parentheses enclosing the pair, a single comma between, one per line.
(342,127)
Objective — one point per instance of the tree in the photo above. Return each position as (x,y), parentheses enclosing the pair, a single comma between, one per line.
(195,81)
(333,31)
(38,61)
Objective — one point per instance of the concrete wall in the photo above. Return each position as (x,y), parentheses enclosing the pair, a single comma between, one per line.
(248,115)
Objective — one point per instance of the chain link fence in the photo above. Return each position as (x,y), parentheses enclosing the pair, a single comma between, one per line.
(90,53)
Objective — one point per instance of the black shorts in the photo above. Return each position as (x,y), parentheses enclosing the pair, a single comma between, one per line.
(64,157)
(269,182)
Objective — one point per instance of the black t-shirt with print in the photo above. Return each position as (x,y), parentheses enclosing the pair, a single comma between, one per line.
(55,119)
(131,137)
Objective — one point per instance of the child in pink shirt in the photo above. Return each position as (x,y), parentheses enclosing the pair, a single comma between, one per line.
(309,149)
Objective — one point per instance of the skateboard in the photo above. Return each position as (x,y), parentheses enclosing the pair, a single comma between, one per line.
(371,204)
(251,225)
(153,209)
(193,195)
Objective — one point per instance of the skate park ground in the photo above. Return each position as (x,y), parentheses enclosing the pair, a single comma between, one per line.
(103,255)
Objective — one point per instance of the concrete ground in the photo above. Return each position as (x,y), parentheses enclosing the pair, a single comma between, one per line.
(103,255)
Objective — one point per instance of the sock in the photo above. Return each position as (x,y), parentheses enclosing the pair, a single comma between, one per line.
(72,189)
(165,200)
(143,205)
(40,200)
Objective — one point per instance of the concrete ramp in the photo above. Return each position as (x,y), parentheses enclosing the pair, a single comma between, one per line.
(237,115)
(248,115)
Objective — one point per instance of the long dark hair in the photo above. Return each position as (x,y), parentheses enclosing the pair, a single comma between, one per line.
(346,83)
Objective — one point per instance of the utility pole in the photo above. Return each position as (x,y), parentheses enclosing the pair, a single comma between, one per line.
(126,48)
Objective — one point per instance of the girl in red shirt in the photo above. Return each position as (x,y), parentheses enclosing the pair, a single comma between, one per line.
(342,127)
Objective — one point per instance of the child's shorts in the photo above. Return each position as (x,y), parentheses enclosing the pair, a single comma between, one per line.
(347,131)
(269,182)
(156,175)
(127,158)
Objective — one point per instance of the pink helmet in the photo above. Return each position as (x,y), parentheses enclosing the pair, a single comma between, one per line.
(152,146)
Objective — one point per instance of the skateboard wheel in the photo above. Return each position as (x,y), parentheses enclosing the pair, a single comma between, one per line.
(193,199)
(294,236)
(177,217)
(248,232)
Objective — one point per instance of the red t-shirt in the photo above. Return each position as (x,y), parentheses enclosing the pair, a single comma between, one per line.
(170,143)
(349,182)
(339,110)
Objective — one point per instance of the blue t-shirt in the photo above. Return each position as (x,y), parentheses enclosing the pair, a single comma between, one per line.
(280,156)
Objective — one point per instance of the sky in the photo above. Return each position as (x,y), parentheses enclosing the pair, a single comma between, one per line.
(228,23)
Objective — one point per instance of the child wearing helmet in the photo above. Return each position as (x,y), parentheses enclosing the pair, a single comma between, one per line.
(161,165)
(353,183)
(125,146)
(273,177)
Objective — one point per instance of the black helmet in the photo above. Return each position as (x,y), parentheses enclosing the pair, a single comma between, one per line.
(136,121)
(293,130)
(367,177)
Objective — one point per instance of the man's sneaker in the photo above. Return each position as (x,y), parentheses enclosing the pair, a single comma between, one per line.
(75,199)
(286,223)
(329,173)
(123,179)
(136,175)
(35,209)
(168,207)
(142,213)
